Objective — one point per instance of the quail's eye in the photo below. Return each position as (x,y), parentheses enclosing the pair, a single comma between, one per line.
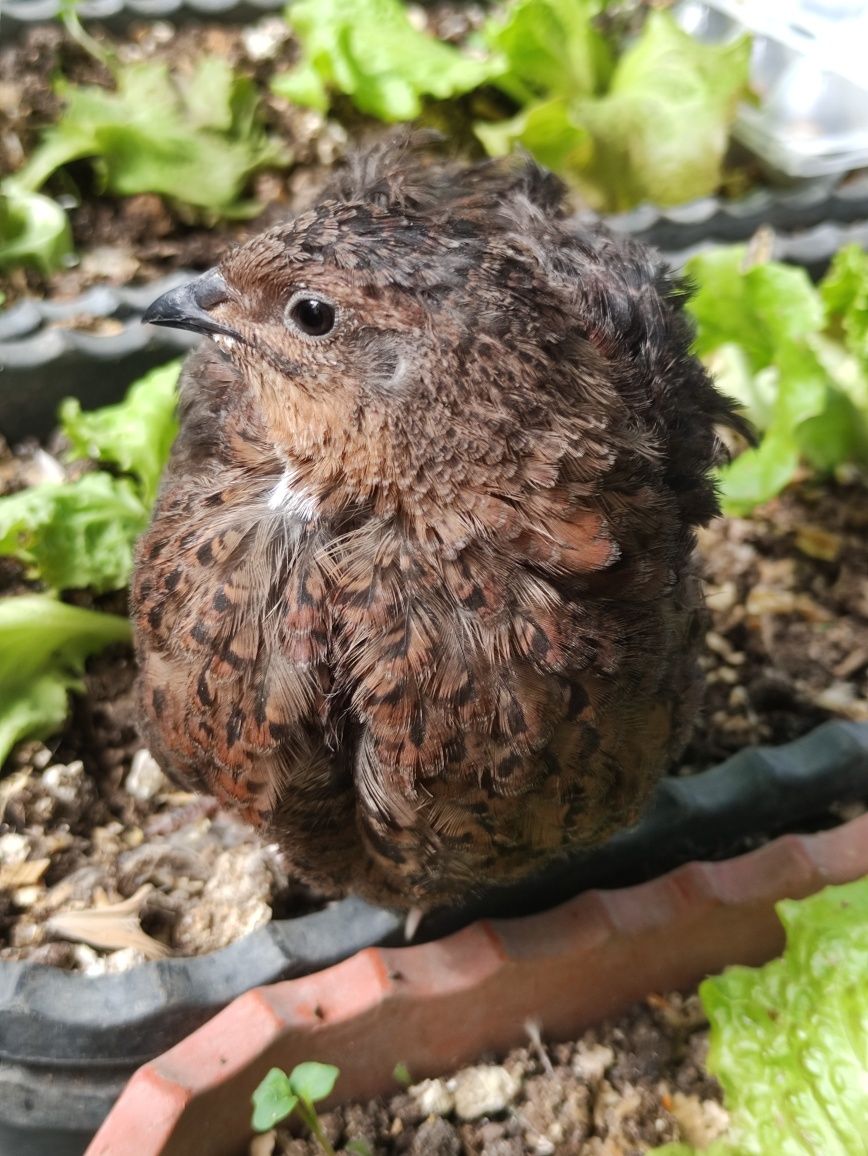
(312,315)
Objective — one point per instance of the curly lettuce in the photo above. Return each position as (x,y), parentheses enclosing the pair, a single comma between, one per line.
(78,534)
(789,1041)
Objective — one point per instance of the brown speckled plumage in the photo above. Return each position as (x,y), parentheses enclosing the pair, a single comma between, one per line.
(418,598)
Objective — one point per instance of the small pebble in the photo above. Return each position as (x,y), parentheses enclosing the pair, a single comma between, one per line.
(90,962)
(14,848)
(482,1091)
(700,1121)
(25,897)
(839,698)
(591,1061)
(542,1146)
(64,782)
(433,1097)
(145,779)
(262,41)
(436,1137)
(42,469)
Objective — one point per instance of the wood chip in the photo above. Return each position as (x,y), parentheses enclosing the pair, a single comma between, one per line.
(13,875)
(851,664)
(818,543)
(263,1145)
(764,600)
(12,785)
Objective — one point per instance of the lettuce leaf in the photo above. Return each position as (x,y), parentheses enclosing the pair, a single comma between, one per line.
(43,647)
(789,1041)
(197,139)
(370,51)
(73,535)
(793,355)
(845,294)
(551,47)
(652,125)
(78,534)
(135,435)
(34,230)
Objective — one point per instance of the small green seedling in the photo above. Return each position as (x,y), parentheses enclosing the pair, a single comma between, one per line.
(279,1095)
(401,1075)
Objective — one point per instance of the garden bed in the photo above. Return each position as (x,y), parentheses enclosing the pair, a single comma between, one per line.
(131,240)
(105,865)
(137,239)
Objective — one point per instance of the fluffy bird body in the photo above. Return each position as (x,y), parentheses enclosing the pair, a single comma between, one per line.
(418,599)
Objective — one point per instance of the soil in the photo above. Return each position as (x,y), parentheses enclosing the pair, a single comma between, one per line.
(788,604)
(89,824)
(624,1087)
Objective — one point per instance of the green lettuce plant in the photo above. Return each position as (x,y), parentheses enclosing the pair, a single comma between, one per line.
(34,230)
(649,121)
(789,1041)
(78,534)
(43,647)
(649,124)
(196,138)
(370,51)
(794,355)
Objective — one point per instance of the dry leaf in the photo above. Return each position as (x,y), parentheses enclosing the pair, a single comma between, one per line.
(112,926)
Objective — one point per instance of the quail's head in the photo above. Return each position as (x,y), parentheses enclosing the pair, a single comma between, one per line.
(408,335)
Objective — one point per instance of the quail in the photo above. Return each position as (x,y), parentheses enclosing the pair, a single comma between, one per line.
(419,599)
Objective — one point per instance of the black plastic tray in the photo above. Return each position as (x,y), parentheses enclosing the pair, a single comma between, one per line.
(17,15)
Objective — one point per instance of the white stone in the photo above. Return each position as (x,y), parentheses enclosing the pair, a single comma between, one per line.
(145,779)
(700,1121)
(543,1146)
(14,848)
(46,468)
(89,961)
(482,1091)
(262,41)
(433,1097)
(64,782)
(591,1061)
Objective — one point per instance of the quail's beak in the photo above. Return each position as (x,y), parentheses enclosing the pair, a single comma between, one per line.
(187,307)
